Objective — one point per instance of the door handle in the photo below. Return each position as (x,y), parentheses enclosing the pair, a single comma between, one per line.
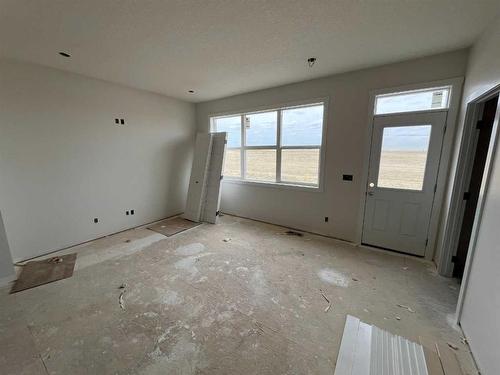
(370,193)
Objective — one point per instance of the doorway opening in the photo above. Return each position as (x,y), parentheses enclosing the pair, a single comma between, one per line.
(477,162)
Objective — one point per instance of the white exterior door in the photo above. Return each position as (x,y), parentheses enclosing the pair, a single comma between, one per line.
(404,162)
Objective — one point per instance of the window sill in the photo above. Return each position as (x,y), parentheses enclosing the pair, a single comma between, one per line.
(274,185)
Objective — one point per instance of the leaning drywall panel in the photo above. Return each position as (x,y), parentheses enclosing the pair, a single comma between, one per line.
(213,179)
(199,170)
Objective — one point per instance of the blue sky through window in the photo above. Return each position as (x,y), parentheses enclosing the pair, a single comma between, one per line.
(261,129)
(232,126)
(406,138)
(301,126)
(412,101)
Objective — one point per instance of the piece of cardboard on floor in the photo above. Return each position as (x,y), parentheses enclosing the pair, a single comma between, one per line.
(441,360)
(36,273)
(172,226)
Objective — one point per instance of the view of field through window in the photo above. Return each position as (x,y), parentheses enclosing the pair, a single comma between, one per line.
(261,165)
(300,165)
(403,157)
(300,144)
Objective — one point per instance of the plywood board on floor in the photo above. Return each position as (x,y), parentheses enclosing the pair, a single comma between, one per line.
(36,273)
(172,226)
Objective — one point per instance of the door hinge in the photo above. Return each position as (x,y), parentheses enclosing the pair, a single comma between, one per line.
(466,196)
(435,187)
(444,132)
(426,242)
(217,213)
(221,177)
(454,259)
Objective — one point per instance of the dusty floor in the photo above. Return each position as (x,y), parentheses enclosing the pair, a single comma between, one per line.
(196,304)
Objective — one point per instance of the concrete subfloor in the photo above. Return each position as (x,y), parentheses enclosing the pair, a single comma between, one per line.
(239,297)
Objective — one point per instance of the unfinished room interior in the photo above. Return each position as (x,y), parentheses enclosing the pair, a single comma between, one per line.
(250,187)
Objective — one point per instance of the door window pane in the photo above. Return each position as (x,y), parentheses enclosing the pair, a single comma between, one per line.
(412,101)
(261,165)
(232,163)
(403,157)
(232,126)
(302,126)
(300,165)
(260,129)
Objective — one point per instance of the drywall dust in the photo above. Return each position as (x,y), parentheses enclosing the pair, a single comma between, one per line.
(191,249)
(333,277)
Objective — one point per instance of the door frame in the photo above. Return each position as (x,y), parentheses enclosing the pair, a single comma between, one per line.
(452,225)
(446,151)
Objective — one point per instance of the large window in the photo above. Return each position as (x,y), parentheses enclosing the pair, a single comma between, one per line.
(275,146)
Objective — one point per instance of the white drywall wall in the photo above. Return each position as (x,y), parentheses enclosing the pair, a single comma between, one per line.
(63,161)
(481,308)
(347,123)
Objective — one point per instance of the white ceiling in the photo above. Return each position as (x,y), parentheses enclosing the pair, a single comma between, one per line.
(224,47)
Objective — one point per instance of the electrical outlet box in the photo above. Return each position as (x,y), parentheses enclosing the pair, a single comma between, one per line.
(132,212)
(96,220)
(326,219)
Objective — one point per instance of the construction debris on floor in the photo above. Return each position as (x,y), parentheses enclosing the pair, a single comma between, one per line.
(45,271)
(194,304)
(172,226)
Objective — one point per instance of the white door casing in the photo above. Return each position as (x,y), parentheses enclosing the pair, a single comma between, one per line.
(404,162)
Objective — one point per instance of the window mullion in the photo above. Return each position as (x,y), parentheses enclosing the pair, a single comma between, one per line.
(278,147)
(242,151)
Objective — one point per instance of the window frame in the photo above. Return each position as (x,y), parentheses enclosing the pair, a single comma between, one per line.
(278,147)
